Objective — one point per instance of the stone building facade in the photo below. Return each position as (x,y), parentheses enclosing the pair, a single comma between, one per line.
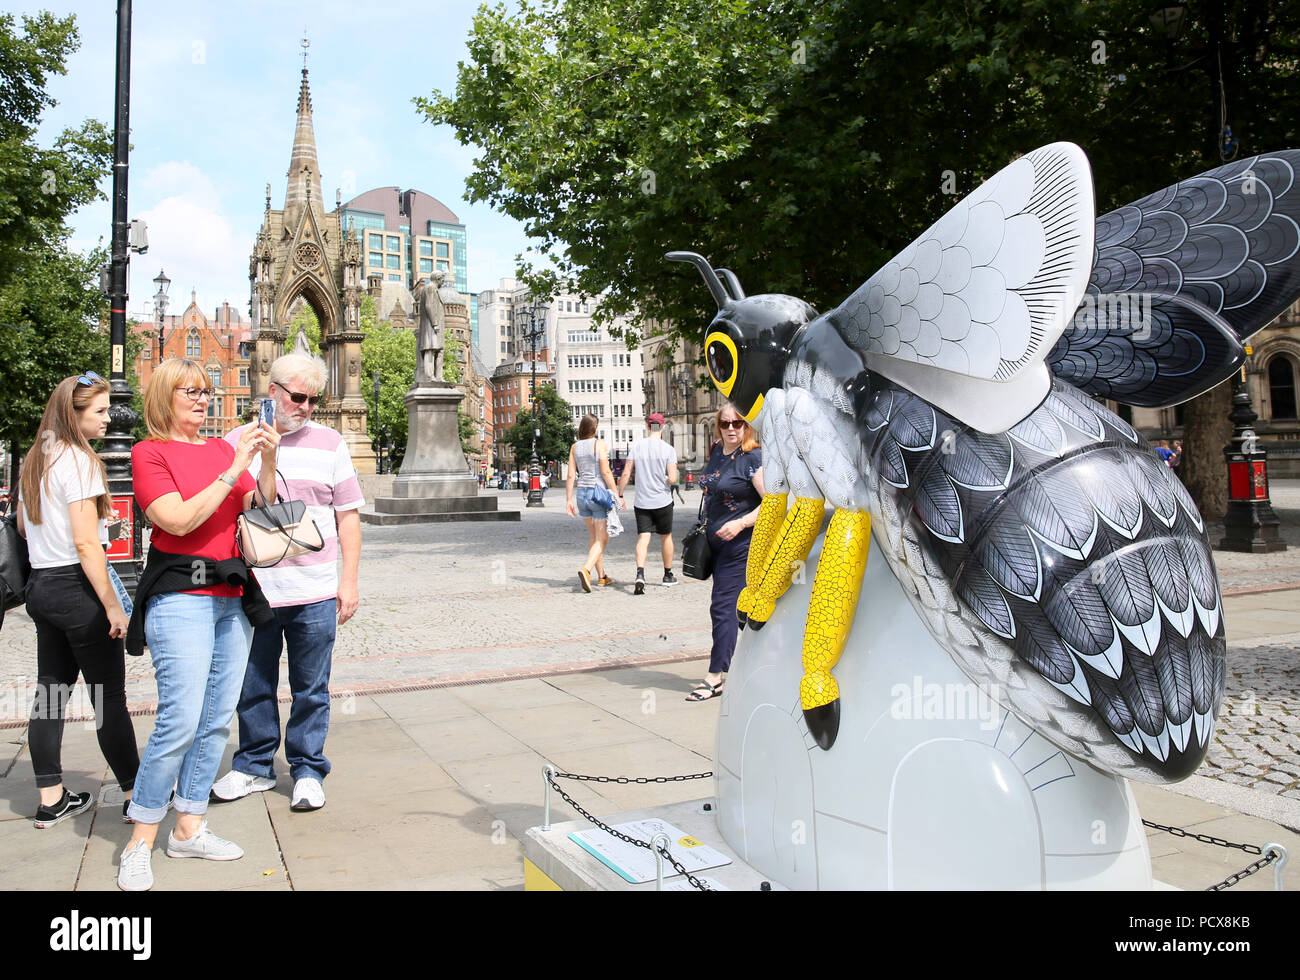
(221,345)
(677,386)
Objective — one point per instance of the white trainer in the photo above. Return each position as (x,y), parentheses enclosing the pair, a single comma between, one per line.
(204,844)
(134,871)
(235,785)
(308,794)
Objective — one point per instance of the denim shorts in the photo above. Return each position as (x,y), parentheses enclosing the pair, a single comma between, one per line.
(587,506)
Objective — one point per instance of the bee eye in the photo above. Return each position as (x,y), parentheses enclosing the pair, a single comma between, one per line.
(721,364)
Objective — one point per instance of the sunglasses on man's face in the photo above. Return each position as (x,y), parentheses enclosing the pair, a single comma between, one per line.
(731,424)
(89,379)
(298,397)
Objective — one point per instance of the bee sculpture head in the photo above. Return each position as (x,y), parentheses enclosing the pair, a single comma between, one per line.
(747,344)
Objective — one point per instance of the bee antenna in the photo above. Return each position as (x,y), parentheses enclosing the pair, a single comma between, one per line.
(710,277)
(733,284)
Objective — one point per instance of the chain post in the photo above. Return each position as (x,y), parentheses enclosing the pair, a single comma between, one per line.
(548,774)
(659,849)
(1279,851)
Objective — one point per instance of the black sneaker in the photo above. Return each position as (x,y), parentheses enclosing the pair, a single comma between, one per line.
(669,577)
(69,806)
(639,588)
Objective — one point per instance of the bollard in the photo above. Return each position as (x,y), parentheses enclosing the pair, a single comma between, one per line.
(655,843)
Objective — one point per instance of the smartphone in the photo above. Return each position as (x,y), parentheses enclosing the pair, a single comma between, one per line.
(266,411)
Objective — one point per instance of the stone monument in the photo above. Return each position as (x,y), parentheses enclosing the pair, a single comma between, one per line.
(435,482)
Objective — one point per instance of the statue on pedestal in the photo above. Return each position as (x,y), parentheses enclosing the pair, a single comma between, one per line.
(428,334)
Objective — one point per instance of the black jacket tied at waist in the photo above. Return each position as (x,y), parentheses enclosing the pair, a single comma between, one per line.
(165,572)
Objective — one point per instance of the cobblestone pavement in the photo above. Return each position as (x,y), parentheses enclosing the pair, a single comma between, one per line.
(451,603)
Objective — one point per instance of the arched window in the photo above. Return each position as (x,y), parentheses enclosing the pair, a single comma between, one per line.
(192,344)
(1281,387)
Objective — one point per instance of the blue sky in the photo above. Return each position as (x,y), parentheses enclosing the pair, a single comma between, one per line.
(214,92)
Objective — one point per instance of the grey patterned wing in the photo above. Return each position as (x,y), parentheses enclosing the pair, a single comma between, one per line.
(1213,255)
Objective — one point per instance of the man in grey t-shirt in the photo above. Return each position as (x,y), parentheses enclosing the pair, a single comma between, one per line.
(655,464)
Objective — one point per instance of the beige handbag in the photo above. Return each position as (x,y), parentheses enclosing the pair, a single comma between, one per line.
(268,535)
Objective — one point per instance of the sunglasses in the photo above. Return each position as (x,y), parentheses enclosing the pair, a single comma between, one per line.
(733,424)
(89,379)
(194,394)
(298,397)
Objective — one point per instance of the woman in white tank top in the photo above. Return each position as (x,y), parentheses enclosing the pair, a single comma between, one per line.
(588,463)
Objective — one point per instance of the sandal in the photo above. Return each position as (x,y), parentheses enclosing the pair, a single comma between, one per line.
(706,691)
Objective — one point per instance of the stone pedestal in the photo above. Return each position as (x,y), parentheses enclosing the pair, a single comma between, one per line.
(435,483)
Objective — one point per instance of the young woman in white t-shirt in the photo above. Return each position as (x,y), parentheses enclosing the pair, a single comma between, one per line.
(63,512)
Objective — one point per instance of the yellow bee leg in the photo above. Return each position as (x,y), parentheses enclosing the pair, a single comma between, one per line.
(830,618)
(789,550)
(771,514)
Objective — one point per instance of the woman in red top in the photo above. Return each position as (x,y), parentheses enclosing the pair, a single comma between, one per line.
(198,638)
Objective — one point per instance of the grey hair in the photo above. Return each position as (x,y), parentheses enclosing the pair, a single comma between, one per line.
(299,366)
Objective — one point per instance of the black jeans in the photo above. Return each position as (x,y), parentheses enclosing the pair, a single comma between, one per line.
(72,638)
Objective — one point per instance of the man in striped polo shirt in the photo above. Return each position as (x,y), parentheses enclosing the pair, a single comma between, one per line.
(306,594)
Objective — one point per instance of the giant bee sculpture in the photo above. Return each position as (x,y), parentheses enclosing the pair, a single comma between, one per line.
(944,407)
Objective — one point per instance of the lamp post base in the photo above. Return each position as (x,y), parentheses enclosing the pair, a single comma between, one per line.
(1251,526)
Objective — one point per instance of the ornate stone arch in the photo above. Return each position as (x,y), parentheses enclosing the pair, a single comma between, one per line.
(1264,355)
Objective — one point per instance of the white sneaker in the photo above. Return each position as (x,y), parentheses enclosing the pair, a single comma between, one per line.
(308,794)
(134,871)
(235,785)
(204,844)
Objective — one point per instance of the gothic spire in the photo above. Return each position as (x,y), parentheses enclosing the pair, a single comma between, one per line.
(304,170)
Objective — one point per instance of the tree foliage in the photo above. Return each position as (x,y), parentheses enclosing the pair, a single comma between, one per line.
(50,303)
(802,145)
(390,352)
(557,428)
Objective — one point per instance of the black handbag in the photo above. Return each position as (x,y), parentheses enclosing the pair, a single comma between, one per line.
(14,565)
(697,556)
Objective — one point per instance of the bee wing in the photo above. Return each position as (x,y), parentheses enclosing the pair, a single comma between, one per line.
(1213,255)
(965,316)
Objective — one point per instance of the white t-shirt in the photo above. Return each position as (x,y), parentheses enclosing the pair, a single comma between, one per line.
(650,460)
(74,476)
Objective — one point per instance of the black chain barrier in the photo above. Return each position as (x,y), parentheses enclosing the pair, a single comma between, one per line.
(551,777)
(1231,880)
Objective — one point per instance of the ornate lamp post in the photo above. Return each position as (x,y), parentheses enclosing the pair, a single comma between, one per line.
(533,314)
(1250,523)
(160,309)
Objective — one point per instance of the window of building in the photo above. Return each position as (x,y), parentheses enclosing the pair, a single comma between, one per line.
(394,243)
(243,377)
(444,266)
(393,278)
(241,406)
(376,241)
(393,261)
(192,348)
(444,250)
(214,376)
(377,260)
(426,247)
(426,266)
(1281,387)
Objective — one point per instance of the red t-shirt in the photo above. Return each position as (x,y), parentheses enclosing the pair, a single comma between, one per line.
(160,468)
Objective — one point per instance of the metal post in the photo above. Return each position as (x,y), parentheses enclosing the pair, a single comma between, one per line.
(548,773)
(656,842)
(116,451)
(1250,523)
(534,465)
(1280,851)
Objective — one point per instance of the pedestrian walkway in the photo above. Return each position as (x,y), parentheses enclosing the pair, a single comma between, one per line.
(475,659)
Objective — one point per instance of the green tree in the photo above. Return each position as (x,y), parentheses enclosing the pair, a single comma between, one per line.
(451,370)
(50,303)
(304,321)
(557,435)
(390,352)
(801,145)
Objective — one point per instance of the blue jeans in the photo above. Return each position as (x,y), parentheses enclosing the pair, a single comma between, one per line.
(199,645)
(308,631)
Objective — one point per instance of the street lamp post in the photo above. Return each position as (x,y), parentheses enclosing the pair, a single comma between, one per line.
(1250,523)
(377,387)
(534,313)
(125,550)
(687,384)
(160,310)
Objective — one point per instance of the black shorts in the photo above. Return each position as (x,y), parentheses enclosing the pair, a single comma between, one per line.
(659,520)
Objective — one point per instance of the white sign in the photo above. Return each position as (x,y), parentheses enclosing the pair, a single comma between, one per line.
(637,864)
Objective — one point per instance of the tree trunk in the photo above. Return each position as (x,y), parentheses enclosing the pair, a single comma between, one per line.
(1206,430)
